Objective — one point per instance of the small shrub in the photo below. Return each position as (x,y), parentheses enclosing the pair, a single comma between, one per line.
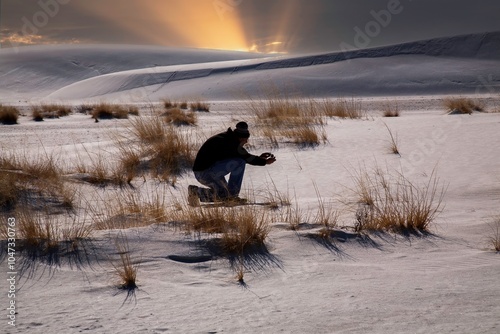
(200,106)
(183,105)
(8,115)
(249,230)
(46,238)
(391,110)
(39,112)
(110,111)
(179,117)
(394,203)
(84,108)
(34,183)
(168,151)
(125,270)
(304,136)
(326,216)
(131,209)
(296,121)
(462,105)
(494,239)
(168,104)
(343,108)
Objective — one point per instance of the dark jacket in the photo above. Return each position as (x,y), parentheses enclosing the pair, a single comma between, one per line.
(221,147)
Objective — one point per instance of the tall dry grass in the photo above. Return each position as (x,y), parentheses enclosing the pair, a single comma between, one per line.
(289,120)
(391,109)
(462,105)
(125,269)
(51,238)
(180,117)
(169,151)
(130,208)
(100,170)
(33,182)
(42,111)
(199,106)
(9,115)
(109,111)
(343,108)
(241,228)
(393,144)
(391,202)
(326,216)
(494,238)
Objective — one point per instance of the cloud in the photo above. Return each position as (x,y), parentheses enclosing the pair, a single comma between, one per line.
(299,25)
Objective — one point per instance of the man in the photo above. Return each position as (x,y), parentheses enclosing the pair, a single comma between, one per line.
(219,156)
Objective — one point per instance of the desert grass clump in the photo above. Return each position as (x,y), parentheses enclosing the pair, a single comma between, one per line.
(342,108)
(462,105)
(247,232)
(391,109)
(179,117)
(125,269)
(168,151)
(327,217)
(8,115)
(34,183)
(51,239)
(241,229)
(394,203)
(393,145)
(131,209)
(110,111)
(281,119)
(494,239)
(199,106)
(39,112)
(168,104)
(305,136)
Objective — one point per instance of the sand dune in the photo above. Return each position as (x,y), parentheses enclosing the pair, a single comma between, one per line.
(462,64)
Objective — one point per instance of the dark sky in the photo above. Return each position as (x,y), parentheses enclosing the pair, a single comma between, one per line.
(298,25)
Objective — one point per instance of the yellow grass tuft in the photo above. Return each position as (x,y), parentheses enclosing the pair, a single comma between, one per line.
(33,183)
(109,111)
(131,209)
(179,117)
(342,108)
(199,106)
(462,105)
(39,112)
(394,203)
(289,120)
(47,237)
(169,151)
(494,239)
(8,115)
(391,109)
(125,270)
(393,147)
(241,228)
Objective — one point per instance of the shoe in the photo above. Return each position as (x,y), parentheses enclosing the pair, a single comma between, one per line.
(193,198)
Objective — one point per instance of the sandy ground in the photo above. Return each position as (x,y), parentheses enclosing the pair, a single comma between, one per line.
(446,282)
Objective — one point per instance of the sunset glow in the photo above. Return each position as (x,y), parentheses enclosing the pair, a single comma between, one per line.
(176,22)
(202,24)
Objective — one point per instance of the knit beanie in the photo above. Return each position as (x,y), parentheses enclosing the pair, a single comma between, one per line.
(241,130)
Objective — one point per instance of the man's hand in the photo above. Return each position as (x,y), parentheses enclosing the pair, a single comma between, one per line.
(269,157)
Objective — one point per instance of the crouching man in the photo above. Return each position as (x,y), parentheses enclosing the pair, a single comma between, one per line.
(219,156)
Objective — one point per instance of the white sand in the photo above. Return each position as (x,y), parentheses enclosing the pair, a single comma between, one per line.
(444,283)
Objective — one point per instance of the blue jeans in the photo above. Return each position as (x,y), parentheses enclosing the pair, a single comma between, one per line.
(214,178)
